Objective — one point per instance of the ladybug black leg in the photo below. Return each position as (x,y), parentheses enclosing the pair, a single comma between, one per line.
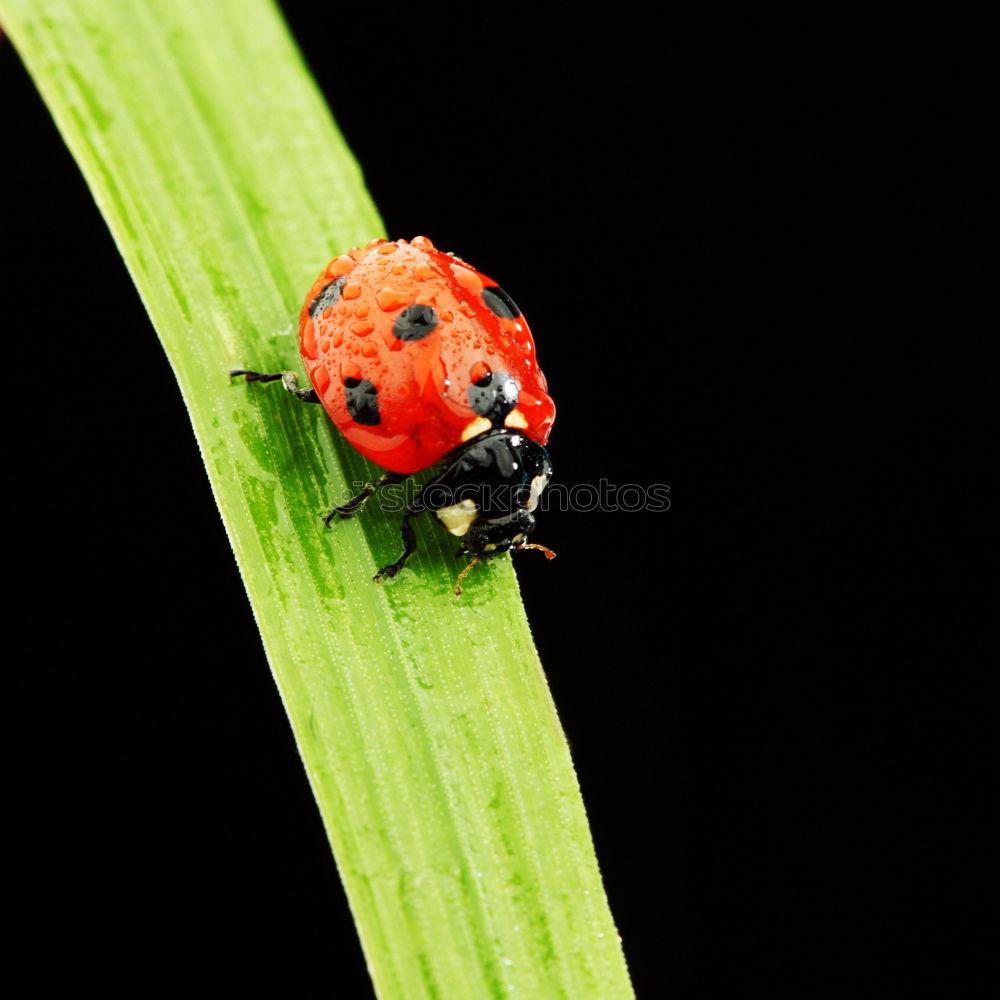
(415,506)
(288,379)
(347,509)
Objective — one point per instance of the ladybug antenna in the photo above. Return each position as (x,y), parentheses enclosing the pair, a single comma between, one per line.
(549,554)
(458,582)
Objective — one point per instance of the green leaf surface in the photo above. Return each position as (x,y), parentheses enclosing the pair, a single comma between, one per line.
(424,720)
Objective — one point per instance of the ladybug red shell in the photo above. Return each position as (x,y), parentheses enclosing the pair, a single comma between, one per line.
(421,360)
(413,352)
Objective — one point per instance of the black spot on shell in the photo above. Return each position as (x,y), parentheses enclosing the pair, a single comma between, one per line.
(328,297)
(500,303)
(494,399)
(415,322)
(362,401)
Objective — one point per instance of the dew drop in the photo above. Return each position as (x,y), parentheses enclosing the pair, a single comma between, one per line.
(339,266)
(389,301)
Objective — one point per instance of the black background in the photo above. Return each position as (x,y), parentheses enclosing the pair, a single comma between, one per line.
(748,252)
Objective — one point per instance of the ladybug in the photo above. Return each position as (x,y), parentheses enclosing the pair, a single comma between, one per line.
(421,360)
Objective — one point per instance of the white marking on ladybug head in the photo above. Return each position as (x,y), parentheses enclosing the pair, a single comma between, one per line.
(537,485)
(516,419)
(458,517)
(476,427)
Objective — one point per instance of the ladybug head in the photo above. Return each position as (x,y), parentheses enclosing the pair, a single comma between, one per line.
(486,492)
(491,536)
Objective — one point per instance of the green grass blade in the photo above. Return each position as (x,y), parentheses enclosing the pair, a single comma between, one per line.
(424,721)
